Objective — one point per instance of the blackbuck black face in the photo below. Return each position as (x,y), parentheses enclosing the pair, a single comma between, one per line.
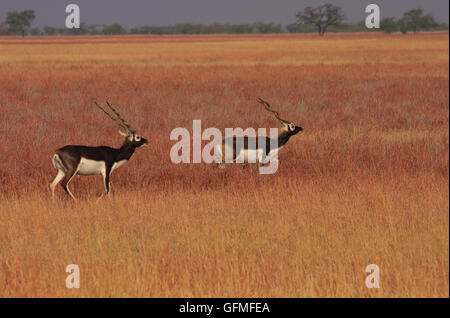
(83,160)
(260,149)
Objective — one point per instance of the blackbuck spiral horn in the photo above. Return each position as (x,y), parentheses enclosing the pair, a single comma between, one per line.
(276,113)
(119,120)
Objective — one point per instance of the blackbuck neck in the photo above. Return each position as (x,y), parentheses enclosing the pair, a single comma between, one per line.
(283,138)
(125,151)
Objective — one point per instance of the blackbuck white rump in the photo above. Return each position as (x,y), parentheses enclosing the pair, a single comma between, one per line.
(259,149)
(74,160)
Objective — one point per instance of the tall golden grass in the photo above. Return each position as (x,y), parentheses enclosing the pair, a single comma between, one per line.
(367,181)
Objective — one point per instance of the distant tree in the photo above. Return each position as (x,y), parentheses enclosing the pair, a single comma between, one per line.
(350,27)
(113,29)
(442,26)
(300,28)
(82,30)
(415,20)
(261,27)
(402,26)
(136,30)
(188,28)
(35,31)
(50,30)
(239,28)
(3,29)
(388,25)
(321,17)
(216,28)
(19,22)
(293,28)
(93,29)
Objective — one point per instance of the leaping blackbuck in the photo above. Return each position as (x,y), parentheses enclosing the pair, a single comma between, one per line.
(259,149)
(74,160)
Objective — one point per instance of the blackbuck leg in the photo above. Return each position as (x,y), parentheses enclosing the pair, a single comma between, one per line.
(106,182)
(55,181)
(65,183)
(107,185)
(220,157)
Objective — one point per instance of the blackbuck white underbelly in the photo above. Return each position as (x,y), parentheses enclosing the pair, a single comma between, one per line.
(90,167)
(250,155)
(246,155)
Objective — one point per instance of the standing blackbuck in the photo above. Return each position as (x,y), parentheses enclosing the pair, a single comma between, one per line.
(83,160)
(259,149)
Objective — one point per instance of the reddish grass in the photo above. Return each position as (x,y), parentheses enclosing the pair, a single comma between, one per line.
(367,181)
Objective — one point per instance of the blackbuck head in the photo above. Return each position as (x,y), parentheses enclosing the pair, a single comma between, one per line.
(131,136)
(286,125)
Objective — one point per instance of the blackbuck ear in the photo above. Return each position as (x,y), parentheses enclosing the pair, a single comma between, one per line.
(284,126)
(123,133)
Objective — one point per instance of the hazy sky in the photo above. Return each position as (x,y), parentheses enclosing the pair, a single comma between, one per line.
(161,12)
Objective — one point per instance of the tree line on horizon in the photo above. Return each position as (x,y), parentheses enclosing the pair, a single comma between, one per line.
(320,19)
